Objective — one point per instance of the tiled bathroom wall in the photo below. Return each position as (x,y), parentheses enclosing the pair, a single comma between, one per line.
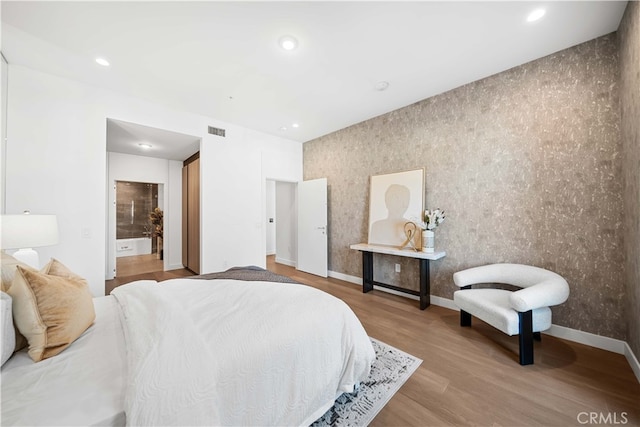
(134,202)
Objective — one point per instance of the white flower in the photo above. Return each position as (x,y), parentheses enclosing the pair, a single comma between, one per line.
(431,219)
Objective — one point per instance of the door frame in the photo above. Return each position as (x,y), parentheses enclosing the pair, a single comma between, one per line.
(294,224)
(111,272)
(317,255)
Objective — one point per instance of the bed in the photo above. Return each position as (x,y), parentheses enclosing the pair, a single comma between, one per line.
(214,351)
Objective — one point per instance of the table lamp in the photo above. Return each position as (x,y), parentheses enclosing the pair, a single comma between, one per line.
(26,231)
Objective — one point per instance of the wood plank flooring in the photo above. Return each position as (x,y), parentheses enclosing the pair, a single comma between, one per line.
(471,376)
(141,267)
(138,264)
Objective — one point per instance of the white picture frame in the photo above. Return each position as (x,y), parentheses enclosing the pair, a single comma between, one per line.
(394,200)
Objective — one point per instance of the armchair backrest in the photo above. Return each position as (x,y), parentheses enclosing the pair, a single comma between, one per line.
(519,275)
(540,287)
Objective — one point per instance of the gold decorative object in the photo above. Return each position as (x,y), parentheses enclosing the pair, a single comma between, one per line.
(409,231)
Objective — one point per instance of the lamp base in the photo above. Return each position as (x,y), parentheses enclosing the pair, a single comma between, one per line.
(28,256)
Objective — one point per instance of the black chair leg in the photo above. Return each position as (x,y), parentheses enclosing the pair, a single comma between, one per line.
(465,318)
(526,337)
(537,336)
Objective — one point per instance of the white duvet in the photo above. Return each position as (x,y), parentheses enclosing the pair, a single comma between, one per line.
(227,352)
(82,386)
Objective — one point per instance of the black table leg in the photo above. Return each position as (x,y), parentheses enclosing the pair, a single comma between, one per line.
(367,272)
(368,282)
(425,286)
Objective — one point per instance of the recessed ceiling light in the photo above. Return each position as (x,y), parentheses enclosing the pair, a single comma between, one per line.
(381,85)
(102,62)
(295,125)
(288,42)
(535,15)
(145,146)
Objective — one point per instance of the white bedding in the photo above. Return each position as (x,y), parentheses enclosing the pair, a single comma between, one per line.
(227,352)
(266,353)
(83,385)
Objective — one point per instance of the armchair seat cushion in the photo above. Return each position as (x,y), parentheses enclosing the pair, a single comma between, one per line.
(494,307)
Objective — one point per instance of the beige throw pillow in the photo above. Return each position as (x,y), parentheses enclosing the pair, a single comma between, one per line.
(56,268)
(51,308)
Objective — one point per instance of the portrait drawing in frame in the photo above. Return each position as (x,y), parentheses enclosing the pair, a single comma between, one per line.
(394,200)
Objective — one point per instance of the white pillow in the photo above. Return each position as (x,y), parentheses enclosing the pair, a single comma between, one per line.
(6,328)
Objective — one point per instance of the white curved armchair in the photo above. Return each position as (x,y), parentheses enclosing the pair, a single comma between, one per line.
(524,312)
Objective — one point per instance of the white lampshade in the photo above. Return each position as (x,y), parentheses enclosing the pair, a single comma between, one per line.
(28,231)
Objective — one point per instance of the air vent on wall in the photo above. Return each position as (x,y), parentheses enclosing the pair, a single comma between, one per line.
(216,131)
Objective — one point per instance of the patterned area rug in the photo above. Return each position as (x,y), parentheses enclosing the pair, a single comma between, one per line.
(389,371)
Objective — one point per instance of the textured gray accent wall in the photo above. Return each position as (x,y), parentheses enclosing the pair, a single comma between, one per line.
(629,37)
(527,165)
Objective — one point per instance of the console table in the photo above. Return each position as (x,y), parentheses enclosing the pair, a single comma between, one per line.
(423,257)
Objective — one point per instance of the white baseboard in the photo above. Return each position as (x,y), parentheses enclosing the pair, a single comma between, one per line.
(587,338)
(569,334)
(345,277)
(285,262)
(633,360)
(174,267)
(444,302)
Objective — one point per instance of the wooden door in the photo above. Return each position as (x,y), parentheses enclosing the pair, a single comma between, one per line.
(185,216)
(193,216)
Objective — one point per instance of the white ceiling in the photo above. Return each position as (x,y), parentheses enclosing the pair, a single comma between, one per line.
(222,60)
(125,137)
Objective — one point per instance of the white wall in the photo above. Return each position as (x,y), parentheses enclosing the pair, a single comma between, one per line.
(126,167)
(270,195)
(3,125)
(173,217)
(286,223)
(57,163)
(231,193)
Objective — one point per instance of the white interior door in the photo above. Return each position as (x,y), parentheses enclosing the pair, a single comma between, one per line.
(312,227)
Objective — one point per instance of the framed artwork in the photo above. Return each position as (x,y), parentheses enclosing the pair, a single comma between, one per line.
(394,199)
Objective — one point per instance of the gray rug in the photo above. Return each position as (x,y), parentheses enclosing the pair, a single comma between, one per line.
(389,371)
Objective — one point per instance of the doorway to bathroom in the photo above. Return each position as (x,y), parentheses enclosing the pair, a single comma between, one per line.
(139,228)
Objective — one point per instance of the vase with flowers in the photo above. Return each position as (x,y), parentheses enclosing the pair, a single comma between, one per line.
(430,220)
(156,218)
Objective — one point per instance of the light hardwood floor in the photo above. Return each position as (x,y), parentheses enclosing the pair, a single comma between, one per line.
(141,267)
(471,376)
(138,264)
